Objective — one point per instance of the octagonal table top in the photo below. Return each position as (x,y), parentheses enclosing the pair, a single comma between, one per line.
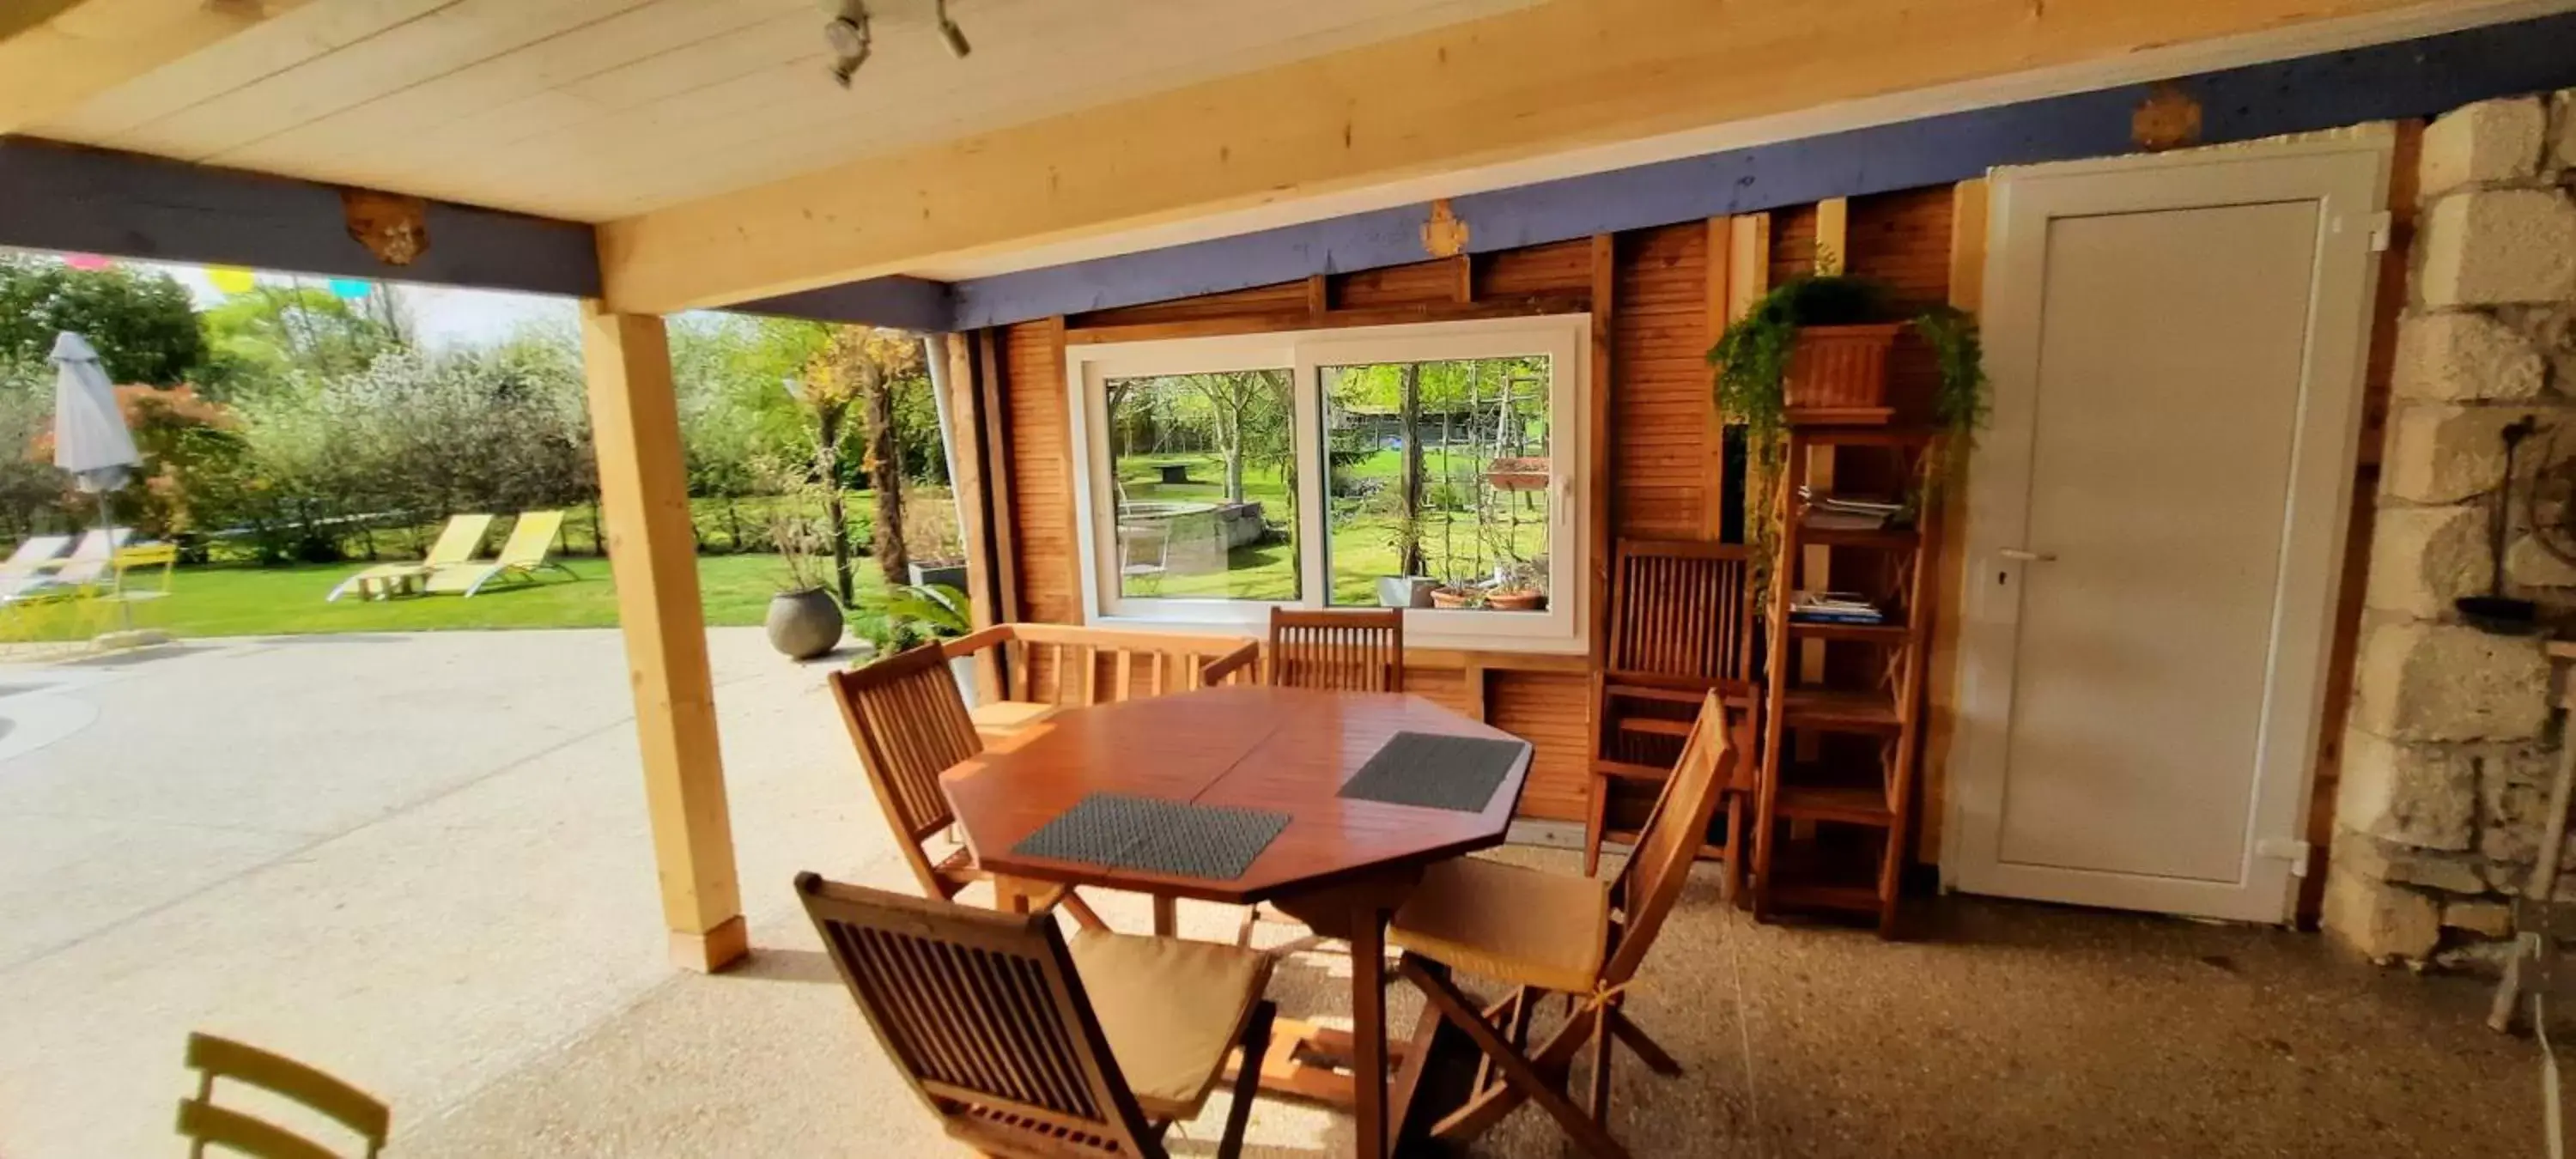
(1281,749)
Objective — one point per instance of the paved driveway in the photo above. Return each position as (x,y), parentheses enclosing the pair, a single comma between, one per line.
(418,860)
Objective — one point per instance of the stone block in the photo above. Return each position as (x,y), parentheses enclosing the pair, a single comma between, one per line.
(2464,356)
(2404,865)
(2444,454)
(2381,921)
(2496,246)
(2563,109)
(2422,681)
(2493,919)
(2511,827)
(2498,140)
(2527,564)
(2409,794)
(2422,558)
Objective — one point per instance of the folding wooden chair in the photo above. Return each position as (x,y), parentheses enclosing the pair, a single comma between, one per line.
(1554,933)
(1026,1046)
(1352,651)
(203,1123)
(1681,626)
(911,724)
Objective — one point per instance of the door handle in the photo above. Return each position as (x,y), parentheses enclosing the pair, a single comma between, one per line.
(2027,556)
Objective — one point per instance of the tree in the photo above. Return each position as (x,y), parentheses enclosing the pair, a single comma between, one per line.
(268,334)
(143,324)
(862,366)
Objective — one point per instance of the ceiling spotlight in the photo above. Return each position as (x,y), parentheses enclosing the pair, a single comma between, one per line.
(955,36)
(849,38)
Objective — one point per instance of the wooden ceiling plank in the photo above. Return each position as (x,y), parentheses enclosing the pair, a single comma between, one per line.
(433,45)
(1484,91)
(57,54)
(362,138)
(279,44)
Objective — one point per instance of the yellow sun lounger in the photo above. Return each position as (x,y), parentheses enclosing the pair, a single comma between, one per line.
(523,555)
(456,545)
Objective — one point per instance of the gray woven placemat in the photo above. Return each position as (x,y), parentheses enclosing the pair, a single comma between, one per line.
(1213,842)
(1435,771)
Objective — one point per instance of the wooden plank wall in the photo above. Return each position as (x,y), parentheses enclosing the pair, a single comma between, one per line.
(1659,424)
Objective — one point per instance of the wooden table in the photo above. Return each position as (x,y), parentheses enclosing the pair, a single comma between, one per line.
(1341,866)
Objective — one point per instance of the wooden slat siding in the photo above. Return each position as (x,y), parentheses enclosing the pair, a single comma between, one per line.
(1540,269)
(993,395)
(1793,243)
(1043,475)
(2385,308)
(1902,239)
(1715,266)
(1553,712)
(1283,298)
(1446,687)
(1965,272)
(1659,412)
(1431,281)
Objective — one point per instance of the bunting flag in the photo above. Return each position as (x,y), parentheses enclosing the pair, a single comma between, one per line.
(231,279)
(351,287)
(86,262)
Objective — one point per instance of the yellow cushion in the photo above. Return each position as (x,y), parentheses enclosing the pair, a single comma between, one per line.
(1171,1010)
(1002,717)
(1505,922)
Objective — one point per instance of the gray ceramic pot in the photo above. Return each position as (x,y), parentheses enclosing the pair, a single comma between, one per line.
(803,625)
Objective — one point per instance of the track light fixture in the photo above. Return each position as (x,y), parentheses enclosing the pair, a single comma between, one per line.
(850,40)
(948,31)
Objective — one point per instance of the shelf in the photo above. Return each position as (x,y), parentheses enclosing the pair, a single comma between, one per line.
(1840,711)
(1630,771)
(1884,539)
(1850,804)
(1822,630)
(1655,725)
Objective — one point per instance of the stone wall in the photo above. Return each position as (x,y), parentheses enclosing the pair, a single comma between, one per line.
(2452,736)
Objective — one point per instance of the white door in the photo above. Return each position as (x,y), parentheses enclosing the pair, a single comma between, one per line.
(2155,523)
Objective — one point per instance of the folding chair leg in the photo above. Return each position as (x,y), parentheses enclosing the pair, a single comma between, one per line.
(1648,1051)
(1604,1045)
(1732,883)
(1593,821)
(1247,1079)
(1461,1012)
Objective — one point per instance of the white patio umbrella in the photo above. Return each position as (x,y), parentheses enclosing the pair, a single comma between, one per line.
(90,439)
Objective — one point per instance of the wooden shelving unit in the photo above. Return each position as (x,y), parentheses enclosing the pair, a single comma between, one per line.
(1835,796)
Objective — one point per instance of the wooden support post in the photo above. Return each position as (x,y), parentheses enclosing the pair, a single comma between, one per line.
(997,444)
(1833,256)
(644,501)
(1605,250)
(1967,292)
(1833,235)
(966,427)
(1463,269)
(1712,467)
(1319,294)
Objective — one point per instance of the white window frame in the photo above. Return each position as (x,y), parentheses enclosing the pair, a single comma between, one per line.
(1565,339)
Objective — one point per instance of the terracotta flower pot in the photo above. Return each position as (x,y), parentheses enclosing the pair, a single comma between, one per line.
(1446,598)
(1517,600)
(1839,373)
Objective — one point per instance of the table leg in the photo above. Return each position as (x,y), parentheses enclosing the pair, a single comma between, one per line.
(1167,916)
(1368,1030)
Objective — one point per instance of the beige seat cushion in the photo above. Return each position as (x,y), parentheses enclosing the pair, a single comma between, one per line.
(1171,1009)
(1003,717)
(1509,923)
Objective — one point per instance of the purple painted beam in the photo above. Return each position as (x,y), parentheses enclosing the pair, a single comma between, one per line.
(2404,79)
(901,302)
(101,201)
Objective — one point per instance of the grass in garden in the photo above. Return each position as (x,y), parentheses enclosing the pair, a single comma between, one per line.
(249,601)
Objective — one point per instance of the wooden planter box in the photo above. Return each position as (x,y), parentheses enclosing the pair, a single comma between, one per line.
(1838,374)
(1524,474)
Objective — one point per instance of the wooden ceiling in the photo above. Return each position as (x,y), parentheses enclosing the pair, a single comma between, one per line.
(597,109)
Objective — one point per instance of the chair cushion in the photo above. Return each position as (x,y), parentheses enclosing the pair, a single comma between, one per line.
(1171,1009)
(1002,717)
(1501,921)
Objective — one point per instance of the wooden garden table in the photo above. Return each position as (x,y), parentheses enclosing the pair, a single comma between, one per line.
(1340,866)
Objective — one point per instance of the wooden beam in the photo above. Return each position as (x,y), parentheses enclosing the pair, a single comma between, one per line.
(2418,77)
(644,500)
(1833,235)
(900,302)
(101,201)
(1522,306)
(1449,99)
(56,54)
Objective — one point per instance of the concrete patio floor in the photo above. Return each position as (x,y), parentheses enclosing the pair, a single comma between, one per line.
(420,862)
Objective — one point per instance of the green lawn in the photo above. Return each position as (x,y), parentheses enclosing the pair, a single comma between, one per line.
(248,601)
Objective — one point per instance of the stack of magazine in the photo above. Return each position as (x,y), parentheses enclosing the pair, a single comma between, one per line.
(1834,608)
(1846,513)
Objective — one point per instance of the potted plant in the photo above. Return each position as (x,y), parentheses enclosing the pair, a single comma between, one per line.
(920,615)
(1404,590)
(1816,348)
(804,620)
(935,550)
(1522,587)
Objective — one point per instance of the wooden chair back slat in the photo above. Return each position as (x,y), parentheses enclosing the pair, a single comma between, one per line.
(1678,608)
(1340,651)
(910,724)
(986,1017)
(1069,665)
(1652,881)
(202,1122)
